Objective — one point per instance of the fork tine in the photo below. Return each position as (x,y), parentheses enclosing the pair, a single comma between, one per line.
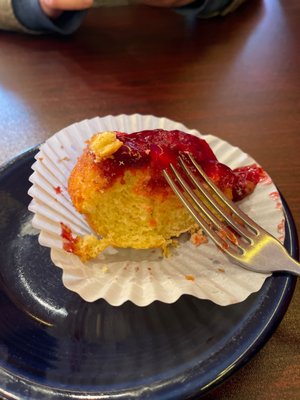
(220,235)
(236,225)
(254,256)
(234,209)
(200,204)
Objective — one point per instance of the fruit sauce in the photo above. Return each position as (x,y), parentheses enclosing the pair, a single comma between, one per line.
(156,149)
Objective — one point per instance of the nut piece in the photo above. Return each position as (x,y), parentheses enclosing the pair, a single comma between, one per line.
(104,145)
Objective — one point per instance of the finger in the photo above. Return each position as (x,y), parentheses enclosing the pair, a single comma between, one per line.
(66,4)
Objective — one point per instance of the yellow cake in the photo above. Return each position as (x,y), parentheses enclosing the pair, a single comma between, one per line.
(117,184)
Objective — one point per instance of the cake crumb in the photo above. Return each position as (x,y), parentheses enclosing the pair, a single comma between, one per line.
(189,278)
(104,269)
(66,158)
(198,238)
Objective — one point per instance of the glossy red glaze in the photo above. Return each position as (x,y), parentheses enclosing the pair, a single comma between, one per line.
(156,149)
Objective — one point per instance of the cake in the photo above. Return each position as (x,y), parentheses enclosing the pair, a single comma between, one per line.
(118,185)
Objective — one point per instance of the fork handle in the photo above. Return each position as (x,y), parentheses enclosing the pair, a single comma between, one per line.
(291,265)
(276,256)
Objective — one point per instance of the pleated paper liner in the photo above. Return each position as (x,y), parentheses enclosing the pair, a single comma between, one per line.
(142,276)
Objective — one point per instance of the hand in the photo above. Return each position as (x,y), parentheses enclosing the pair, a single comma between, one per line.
(54,8)
(166,3)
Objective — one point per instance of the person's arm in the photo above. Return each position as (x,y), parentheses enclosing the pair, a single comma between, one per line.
(8,20)
(209,8)
(42,16)
(30,15)
(65,16)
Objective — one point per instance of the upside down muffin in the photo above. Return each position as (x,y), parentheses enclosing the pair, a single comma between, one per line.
(118,185)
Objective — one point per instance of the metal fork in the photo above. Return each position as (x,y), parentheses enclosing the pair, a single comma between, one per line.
(243,240)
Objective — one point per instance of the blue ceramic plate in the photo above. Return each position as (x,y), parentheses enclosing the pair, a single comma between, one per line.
(53,345)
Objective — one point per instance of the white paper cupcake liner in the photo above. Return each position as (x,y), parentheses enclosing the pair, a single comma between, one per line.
(142,276)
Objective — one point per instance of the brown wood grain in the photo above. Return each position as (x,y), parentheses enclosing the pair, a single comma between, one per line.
(235,77)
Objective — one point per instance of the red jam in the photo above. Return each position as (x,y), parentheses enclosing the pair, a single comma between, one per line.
(68,239)
(58,190)
(156,149)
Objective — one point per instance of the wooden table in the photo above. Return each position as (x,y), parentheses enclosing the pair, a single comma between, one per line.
(236,77)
